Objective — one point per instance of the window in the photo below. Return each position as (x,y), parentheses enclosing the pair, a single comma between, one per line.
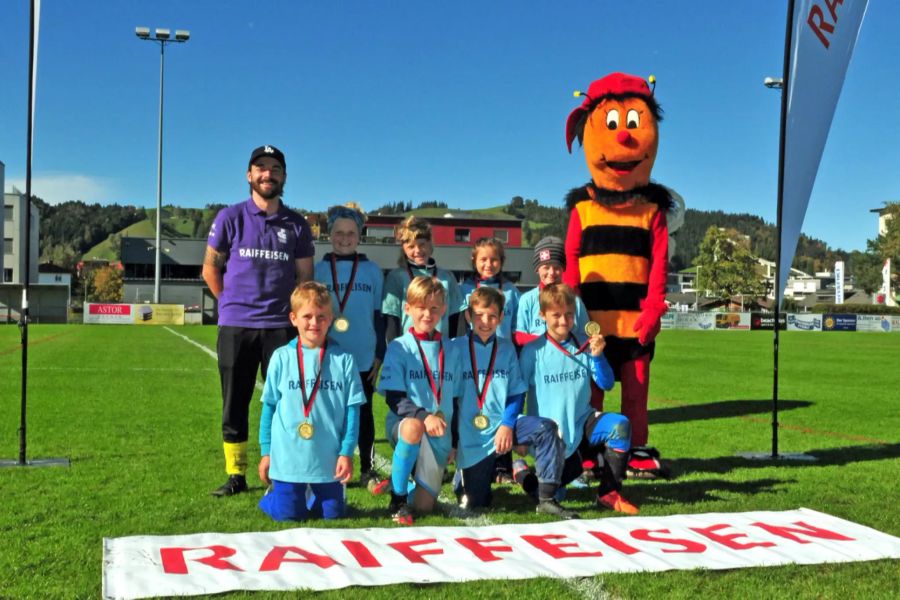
(502,235)
(7,275)
(461,235)
(7,246)
(8,212)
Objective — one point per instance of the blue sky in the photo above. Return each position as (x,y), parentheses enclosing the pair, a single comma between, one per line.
(463,102)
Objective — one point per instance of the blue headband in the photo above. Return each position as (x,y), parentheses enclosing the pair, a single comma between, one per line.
(344,212)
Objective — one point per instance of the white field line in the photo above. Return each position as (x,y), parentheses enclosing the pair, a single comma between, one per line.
(587,587)
(210,352)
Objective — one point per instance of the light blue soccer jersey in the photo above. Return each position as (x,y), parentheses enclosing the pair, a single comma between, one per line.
(398,281)
(476,445)
(559,386)
(294,459)
(365,298)
(528,317)
(510,307)
(403,371)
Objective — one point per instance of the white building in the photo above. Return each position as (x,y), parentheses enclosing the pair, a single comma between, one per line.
(12,228)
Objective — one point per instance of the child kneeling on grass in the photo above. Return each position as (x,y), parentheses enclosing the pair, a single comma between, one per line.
(558,371)
(489,415)
(310,416)
(420,381)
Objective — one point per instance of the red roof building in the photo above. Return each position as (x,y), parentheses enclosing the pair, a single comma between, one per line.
(452,229)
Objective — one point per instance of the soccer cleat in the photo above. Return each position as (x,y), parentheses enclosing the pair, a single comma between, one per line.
(369,479)
(235,485)
(614,501)
(555,509)
(503,478)
(377,487)
(399,509)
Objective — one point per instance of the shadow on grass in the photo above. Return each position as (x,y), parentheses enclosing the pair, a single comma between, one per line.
(690,492)
(721,409)
(826,457)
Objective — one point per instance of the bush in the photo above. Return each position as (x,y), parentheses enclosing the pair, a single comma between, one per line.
(857,309)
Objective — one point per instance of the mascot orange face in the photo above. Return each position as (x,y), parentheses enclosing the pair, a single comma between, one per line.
(618,125)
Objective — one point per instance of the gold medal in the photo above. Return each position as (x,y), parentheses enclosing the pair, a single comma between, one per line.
(440,415)
(480,421)
(341,324)
(592,328)
(306,430)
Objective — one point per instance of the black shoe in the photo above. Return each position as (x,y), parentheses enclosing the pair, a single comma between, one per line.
(554,508)
(235,485)
(399,510)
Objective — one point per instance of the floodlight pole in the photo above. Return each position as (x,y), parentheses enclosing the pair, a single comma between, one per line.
(162,38)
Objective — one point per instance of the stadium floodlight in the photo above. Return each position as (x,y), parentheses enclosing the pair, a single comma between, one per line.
(775,83)
(163,37)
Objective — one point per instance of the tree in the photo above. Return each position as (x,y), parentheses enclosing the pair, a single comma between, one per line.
(887,246)
(108,285)
(866,269)
(726,267)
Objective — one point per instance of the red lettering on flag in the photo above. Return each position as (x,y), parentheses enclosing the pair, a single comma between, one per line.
(728,539)
(810,531)
(614,543)
(174,563)
(543,543)
(816,20)
(363,557)
(481,550)
(646,535)
(277,556)
(415,556)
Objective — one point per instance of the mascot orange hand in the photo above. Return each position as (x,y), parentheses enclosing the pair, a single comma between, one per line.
(648,322)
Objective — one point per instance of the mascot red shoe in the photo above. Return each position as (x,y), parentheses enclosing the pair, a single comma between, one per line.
(617,240)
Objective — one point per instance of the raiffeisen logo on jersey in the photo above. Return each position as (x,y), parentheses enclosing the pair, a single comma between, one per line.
(264,254)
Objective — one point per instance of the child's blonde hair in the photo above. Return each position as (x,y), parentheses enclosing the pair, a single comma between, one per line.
(488,242)
(310,292)
(411,229)
(486,297)
(556,294)
(423,287)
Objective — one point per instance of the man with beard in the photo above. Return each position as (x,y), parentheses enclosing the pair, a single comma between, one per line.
(257,251)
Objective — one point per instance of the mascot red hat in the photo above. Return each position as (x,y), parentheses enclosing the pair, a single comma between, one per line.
(617,239)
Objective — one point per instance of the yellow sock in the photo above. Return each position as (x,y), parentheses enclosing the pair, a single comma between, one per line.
(235,458)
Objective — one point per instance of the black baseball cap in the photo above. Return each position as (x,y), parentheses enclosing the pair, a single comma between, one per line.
(270,151)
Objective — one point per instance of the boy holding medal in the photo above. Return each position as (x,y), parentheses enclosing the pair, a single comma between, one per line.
(416,249)
(310,416)
(558,369)
(490,421)
(356,286)
(420,380)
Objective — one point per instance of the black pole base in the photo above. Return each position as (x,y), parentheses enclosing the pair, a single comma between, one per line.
(38,462)
(790,456)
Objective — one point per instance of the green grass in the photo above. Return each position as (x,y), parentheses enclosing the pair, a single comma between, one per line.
(137,412)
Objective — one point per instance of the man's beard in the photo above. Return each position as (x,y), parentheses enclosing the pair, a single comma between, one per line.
(275,192)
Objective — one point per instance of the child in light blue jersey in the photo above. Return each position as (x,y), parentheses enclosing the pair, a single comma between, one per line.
(488,257)
(416,249)
(558,368)
(549,263)
(356,285)
(310,416)
(489,416)
(420,380)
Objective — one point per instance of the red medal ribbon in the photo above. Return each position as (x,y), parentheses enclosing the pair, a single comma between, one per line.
(434,388)
(308,402)
(572,339)
(342,301)
(482,393)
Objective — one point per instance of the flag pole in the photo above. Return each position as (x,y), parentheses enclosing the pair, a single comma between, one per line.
(23,313)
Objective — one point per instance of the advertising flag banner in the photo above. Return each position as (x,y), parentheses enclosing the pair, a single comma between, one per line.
(839,282)
(823,37)
(325,559)
(134,314)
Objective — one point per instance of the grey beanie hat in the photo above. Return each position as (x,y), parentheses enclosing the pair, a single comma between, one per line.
(549,249)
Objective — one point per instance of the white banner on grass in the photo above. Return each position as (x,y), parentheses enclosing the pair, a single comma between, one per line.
(823,38)
(322,559)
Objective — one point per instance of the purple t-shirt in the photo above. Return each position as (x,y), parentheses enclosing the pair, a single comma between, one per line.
(260,271)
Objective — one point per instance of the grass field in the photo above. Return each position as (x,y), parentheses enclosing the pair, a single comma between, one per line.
(136,410)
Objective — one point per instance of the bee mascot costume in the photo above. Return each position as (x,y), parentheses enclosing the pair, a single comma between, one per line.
(617,242)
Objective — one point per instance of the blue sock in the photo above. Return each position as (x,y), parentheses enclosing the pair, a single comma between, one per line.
(404,458)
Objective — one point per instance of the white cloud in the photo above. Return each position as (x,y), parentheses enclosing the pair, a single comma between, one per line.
(55,188)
